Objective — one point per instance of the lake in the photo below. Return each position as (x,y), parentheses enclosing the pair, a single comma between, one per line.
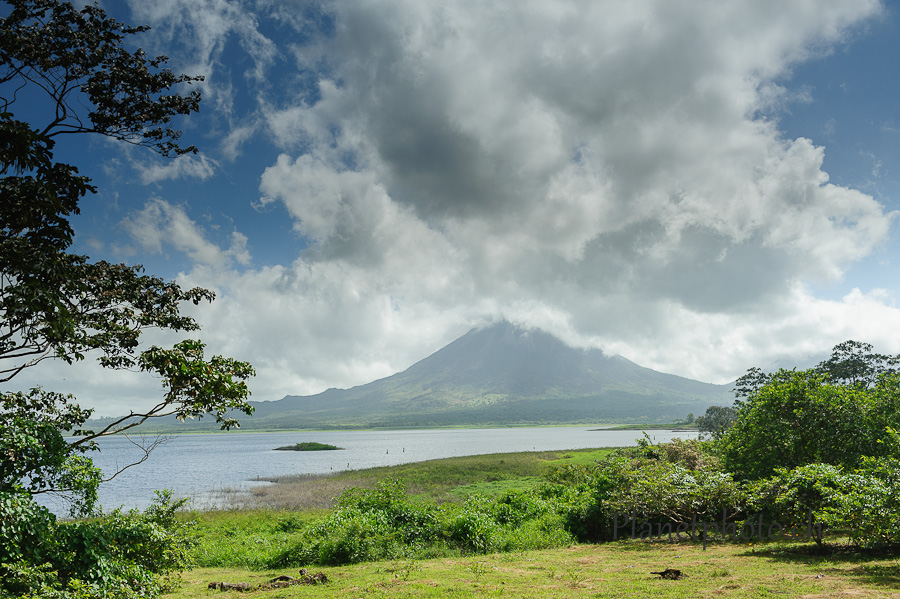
(201,466)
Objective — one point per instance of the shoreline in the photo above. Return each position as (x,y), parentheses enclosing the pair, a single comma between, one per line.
(662,426)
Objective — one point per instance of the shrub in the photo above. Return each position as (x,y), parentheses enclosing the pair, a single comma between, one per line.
(662,490)
(870,501)
(120,555)
(474,527)
(368,524)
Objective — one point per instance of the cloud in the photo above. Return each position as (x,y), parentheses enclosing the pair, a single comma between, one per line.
(575,157)
(207,36)
(184,166)
(160,225)
(610,171)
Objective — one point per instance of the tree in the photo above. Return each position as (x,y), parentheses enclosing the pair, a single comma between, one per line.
(54,304)
(855,364)
(851,364)
(716,420)
(835,413)
(802,417)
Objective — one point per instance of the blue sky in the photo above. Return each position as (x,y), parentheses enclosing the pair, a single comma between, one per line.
(699,187)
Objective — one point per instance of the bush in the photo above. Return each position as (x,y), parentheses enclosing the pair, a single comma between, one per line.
(800,497)
(368,524)
(580,493)
(120,555)
(868,509)
(803,417)
(474,527)
(666,491)
(868,505)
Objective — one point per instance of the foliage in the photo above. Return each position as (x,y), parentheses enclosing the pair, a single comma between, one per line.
(384,523)
(800,497)
(77,58)
(36,456)
(862,503)
(868,505)
(800,418)
(668,491)
(309,446)
(716,421)
(581,490)
(578,500)
(820,445)
(851,364)
(855,364)
(71,66)
(367,525)
(117,555)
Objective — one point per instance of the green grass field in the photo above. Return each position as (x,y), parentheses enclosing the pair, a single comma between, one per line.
(448,479)
(620,569)
(235,545)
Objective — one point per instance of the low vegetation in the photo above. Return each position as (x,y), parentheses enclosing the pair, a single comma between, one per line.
(612,570)
(384,541)
(450,479)
(761,507)
(309,446)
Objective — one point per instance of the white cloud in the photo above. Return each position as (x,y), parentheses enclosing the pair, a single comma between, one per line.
(182,167)
(160,225)
(601,169)
(203,31)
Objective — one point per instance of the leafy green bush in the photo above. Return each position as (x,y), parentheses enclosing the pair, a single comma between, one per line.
(791,495)
(368,524)
(474,527)
(868,503)
(821,444)
(580,493)
(120,555)
(659,490)
(384,523)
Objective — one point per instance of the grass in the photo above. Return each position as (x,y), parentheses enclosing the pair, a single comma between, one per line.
(308,446)
(447,479)
(609,570)
(250,538)
(246,540)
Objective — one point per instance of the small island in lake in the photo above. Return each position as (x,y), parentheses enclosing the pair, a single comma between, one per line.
(308,446)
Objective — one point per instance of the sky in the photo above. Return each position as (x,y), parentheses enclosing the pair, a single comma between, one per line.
(701,187)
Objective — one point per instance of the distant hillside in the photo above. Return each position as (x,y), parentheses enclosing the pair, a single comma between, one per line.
(500,375)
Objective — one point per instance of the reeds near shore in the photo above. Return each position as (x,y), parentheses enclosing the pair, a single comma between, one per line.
(449,479)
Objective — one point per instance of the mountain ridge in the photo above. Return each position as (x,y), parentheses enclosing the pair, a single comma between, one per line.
(501,375)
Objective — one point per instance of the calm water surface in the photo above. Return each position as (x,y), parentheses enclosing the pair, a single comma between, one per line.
(200,466)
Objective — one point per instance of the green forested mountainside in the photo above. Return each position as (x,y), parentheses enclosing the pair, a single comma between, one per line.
(499,375)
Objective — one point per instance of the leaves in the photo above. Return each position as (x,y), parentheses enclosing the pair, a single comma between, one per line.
(196,386)
(716,421)
(77,58)
(58,305)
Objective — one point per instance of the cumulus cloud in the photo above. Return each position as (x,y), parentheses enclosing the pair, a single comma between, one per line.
(583,156)
(183,167)
(612,172)
(162,225)
(201,32)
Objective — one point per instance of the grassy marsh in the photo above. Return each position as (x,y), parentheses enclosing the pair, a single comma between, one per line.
(449,479)
(236,545)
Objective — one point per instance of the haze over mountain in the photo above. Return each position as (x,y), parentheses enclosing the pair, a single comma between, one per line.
(501,375)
